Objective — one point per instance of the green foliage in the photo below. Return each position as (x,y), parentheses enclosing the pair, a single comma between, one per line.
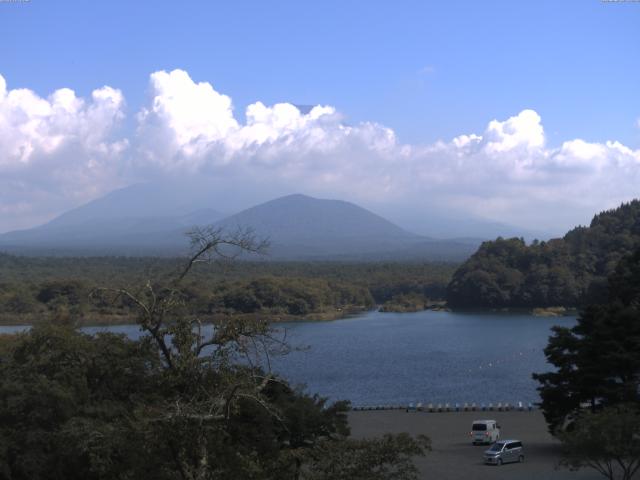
(175,404)
(36,290)
(607,441)
(405,302)
(75,406)
(65,398)
(386,458)
(570,271)
(598,360)
(292,296)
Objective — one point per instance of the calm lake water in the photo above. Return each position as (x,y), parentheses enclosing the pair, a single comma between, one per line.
(392,358)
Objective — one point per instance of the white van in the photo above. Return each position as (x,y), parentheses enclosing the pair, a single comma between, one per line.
(484,431)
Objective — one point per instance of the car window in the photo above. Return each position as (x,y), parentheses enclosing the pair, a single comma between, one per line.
(496,447)
(478,427)
(516,445)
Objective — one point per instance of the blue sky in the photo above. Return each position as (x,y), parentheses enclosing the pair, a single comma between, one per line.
(428,71)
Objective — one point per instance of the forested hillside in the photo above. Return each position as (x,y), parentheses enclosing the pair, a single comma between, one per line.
(568,271)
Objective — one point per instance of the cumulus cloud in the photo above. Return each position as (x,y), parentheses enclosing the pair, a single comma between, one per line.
(508,172)
(55,151)
(190,126)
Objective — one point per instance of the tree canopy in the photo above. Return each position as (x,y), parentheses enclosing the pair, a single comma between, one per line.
(182,402)
(570,271)
(34,290)
(598,360)
(607,441)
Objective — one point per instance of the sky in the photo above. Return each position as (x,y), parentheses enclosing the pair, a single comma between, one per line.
(522,112)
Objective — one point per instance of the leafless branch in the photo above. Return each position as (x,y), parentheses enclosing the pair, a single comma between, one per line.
(207,242)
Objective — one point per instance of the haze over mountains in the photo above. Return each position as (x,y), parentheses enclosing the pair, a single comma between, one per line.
(146,219)
(303,227)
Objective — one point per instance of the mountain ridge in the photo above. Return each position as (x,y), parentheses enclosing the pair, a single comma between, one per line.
(300,227)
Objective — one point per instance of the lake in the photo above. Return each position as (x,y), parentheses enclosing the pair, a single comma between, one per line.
(393,358)
(396,358)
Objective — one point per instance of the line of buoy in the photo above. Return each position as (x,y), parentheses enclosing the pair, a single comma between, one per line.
(503,360)
(446,407)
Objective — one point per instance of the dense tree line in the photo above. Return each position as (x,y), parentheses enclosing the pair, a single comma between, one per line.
(39,289)
(176,404)
(592,398)
(74,406)
(288,296)
(570,271)
(597,360)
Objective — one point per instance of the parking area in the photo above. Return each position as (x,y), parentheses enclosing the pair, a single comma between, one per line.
(454,457)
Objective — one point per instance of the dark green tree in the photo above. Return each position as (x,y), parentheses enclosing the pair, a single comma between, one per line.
(568,271)
(598,360)
(187,401)
(386,458)
(68,403)
(607,441)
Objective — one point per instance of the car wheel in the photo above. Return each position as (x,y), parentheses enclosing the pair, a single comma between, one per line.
(499,461)
(521,458)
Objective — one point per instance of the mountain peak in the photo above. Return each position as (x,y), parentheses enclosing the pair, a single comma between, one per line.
(298,227)
(319,225)
(294,197)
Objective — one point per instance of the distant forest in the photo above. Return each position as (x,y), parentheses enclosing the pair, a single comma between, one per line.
(36,289)
(569,271)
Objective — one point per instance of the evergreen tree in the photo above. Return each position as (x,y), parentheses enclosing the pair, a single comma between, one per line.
(598,360)
(569,271)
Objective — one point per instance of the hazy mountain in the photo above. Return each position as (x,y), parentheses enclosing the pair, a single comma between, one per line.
(143,220)
(303,227)
(320,225)
(444,225)
(122,236)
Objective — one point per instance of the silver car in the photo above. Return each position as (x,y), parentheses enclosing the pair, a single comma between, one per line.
(504,451)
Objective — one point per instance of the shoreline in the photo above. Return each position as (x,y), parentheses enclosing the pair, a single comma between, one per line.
(116,320)
(326,316)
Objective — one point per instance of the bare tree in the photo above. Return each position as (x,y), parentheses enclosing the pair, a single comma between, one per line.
(215,377)
(205,356)
(160,307)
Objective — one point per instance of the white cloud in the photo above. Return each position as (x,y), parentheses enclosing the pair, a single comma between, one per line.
(522,131)
(184,118)
(62,148)
(507,173)
(55,151)
(190,126)
(31,126)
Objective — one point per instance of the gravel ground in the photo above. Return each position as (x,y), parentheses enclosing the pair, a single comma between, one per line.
(454,457)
